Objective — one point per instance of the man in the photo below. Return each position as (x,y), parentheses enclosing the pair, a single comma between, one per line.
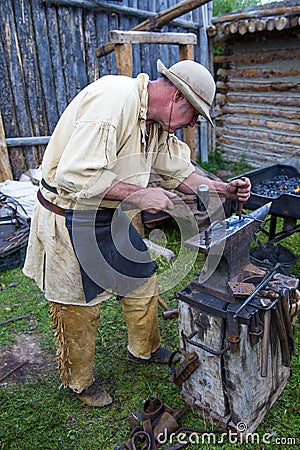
(100,154)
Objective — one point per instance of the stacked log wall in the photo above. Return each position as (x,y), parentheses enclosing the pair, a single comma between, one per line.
(258,98)
(47,55)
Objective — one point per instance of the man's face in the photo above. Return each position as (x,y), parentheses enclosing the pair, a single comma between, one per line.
(182,115)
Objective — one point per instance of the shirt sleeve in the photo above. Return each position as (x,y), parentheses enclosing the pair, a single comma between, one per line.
(85,169)
(173,162)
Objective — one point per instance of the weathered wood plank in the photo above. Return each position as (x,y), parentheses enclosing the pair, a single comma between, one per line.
(5,168)
(261,123)
(259,135)
(259,86)
(32,85)
(30,65)
(13,55)
(123,54)
(291,114)
(90,43)
(260,57)
(79,51)
(18,88)
(56,59)
(272,99)
(144,37)
(102,30)
(130,23)
(66,27)
(45,65)
(7,99)
(264,146)
(113,24)
(187,52)
(255,72)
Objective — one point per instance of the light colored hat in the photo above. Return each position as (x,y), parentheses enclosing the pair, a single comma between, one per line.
(194,81)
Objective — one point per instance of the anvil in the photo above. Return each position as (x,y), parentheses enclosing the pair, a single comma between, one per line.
(227,246)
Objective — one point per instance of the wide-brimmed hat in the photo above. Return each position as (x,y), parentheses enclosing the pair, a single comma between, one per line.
(194,81)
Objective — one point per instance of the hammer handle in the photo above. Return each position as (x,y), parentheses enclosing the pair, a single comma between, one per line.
(265,344)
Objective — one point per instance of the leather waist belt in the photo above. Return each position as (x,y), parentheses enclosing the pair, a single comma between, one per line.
(47,186)
(50,206)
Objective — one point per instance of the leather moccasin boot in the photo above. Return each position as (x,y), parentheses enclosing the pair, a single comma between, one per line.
(95,396)
(160,356)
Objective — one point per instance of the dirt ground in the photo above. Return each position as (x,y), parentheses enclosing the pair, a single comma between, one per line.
(24,360)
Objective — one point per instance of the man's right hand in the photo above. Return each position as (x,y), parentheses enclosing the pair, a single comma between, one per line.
(152,200)
(148,199)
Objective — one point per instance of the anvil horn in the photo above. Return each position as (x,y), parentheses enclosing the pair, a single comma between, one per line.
(261,212)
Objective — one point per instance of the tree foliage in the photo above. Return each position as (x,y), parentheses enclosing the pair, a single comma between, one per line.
(225,6)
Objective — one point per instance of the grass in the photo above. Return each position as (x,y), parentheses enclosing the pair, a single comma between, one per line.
(36,414)
(217,161)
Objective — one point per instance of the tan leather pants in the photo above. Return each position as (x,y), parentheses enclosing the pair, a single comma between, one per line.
(76,328)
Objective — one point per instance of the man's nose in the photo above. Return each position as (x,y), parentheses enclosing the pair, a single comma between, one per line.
(193,121)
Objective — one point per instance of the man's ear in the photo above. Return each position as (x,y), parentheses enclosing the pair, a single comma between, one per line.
(177,96)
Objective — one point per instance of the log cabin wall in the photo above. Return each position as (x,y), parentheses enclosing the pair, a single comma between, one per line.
(258,84)
(47,55)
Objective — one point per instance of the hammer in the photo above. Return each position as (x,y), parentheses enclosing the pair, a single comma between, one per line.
(169,313)
(240,204)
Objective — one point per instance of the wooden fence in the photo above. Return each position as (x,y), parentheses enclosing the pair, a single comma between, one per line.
(47,56)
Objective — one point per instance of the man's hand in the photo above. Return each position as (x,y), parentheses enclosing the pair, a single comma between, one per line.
(239,189)
(152,200)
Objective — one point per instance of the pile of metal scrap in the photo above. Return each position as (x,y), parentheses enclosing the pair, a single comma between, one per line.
(17,199)
(156,426)
(14,232)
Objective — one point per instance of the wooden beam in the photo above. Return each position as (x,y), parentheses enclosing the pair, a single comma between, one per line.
(187,52)
(5,168)
(258,86)
(255,72)
(283,10)
(31,140)
(123,54)
(157,21)
(292,115)
(262,123)
(148,37)
(263,56)
(257,135)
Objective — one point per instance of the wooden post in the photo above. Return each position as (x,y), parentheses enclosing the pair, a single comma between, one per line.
(123,54)
(5,168)
(187,52)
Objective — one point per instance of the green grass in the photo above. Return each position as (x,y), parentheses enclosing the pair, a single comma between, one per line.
(217,161)
(36,414)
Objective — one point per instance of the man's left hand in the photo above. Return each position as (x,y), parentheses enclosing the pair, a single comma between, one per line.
(239,189)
